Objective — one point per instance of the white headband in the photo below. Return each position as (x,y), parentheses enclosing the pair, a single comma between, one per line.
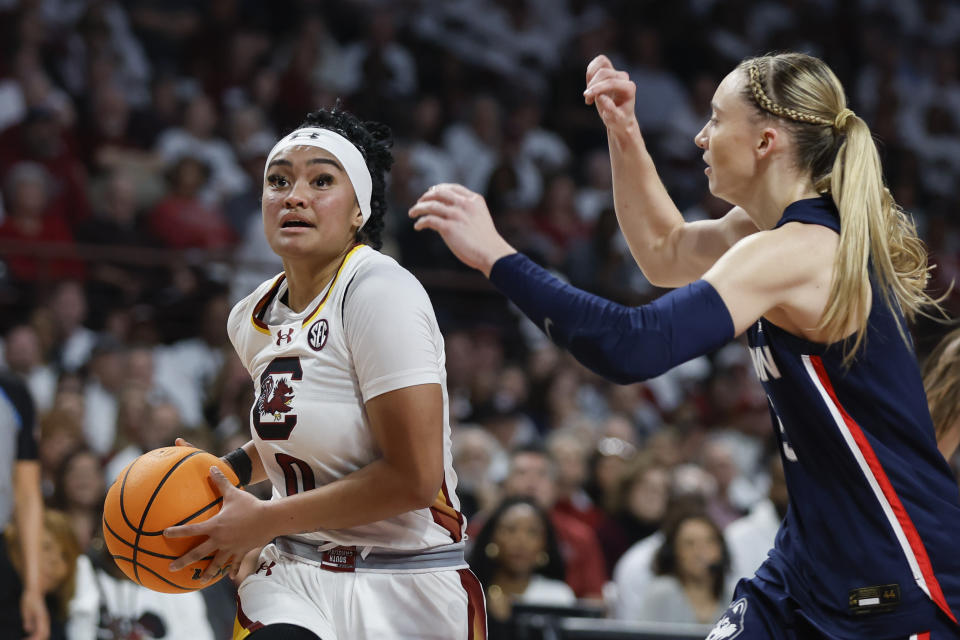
(342,149)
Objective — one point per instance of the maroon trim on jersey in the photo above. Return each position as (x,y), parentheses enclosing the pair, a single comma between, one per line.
(445,515)
(246,622)
(476,606)
(258,311)
(889,493)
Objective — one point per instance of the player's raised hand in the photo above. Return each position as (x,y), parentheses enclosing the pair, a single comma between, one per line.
(613,93)
(235,530)
(462,219)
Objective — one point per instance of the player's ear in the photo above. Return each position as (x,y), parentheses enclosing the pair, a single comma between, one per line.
(767,142)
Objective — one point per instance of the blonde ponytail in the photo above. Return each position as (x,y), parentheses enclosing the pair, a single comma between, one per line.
(838,149)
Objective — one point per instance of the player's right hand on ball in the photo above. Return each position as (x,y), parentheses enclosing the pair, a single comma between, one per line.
(237,528)
(613,93)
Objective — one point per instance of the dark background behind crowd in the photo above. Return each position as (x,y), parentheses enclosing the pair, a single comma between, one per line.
(132,141)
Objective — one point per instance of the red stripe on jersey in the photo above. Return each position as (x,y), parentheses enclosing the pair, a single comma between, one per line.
(913,536)
(476,606)
(244,621)
(445,515)
(264,301)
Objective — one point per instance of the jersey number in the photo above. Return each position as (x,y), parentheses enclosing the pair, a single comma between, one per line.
(290,466)
(275,398)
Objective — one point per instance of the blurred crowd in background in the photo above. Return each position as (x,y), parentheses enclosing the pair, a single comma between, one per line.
(132,141)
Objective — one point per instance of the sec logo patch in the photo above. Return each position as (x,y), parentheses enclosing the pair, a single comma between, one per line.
(317,336)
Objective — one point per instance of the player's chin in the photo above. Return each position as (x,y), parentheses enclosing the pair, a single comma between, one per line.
(287,245)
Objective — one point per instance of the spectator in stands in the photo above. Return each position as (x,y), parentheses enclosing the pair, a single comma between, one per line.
(516,558)
(751,537)
(59,551)
(197,139)
(61,431)
(79,492)
(32,225)
(691,567)
(608,464)
(378,67)
(717,460)
(941,378)
(480,463)
(186,369)
(110,605)
(41,139)
(23,355)
(569,452)
(108,374)
(73,341)
(638,508)
(474,145)
(147,426)
(182,220)
(116,223)
(531,473)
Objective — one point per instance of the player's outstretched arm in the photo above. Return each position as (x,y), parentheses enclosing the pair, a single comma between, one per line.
(629,344)
(670,252)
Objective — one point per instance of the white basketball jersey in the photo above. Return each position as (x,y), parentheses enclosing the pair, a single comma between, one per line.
(372,331)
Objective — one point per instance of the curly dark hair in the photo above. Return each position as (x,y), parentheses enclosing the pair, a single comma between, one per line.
(484,567)
(374,141)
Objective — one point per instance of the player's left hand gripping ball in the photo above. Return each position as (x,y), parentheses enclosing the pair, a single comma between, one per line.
(239,527)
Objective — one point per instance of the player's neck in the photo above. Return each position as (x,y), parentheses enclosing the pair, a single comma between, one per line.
(306,279)
(774,192)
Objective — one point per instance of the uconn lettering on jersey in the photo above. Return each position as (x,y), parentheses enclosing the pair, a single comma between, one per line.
(764,364)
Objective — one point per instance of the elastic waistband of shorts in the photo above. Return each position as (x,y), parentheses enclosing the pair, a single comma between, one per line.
(351,560)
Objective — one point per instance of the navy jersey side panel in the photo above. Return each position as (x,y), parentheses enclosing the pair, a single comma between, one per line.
(868,547)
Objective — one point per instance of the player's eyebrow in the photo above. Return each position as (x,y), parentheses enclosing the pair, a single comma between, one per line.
(287,163)
(715,107)
(325,161)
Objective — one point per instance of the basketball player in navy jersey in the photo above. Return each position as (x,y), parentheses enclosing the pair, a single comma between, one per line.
(822,271)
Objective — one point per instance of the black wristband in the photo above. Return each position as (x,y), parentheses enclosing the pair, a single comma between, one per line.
(239,461)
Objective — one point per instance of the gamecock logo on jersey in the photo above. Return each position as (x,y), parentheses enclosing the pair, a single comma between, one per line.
(276,394)
(317,336)
(272,414)
(730,624)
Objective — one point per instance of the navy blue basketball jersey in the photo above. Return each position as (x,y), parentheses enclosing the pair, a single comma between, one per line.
(870,546)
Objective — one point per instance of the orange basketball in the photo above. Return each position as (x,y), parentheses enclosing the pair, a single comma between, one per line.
(160,489)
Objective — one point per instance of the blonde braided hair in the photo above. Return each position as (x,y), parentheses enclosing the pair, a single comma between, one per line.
(756,88)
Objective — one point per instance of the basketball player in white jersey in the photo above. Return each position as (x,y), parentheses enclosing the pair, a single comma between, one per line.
(363,536)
